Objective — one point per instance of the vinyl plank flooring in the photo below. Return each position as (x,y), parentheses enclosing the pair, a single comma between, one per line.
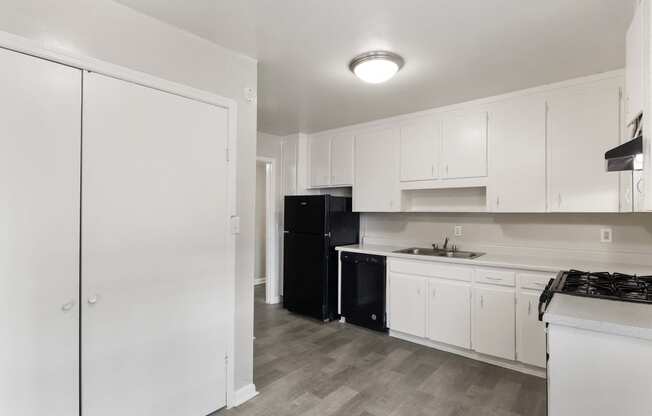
(304,367)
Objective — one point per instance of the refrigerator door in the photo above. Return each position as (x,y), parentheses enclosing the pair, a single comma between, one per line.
(306,214)
(305,264)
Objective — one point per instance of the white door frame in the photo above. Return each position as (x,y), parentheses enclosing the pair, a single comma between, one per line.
(31,47)
(271,231)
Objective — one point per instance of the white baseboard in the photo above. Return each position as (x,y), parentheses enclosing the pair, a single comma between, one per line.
(244,395)
(260,281)
(512,365)
(275,300)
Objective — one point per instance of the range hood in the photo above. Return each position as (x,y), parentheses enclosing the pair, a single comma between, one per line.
(627,156)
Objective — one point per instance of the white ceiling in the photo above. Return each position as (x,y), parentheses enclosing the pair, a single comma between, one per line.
(454,50)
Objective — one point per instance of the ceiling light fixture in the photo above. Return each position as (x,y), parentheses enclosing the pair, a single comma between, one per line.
(377,66)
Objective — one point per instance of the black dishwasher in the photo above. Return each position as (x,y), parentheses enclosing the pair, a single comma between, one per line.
(364,290)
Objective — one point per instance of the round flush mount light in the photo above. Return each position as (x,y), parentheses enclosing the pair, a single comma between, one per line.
(377,66)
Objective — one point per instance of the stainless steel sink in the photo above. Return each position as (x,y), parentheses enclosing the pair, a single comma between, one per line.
(440,253)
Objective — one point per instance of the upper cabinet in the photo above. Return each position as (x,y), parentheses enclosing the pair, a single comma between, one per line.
(634,91)
(420,149)
(464,145)
(342,160)
(539,150)
(444,146)
(331,160)
(517,155)
(583,122)
(376,171)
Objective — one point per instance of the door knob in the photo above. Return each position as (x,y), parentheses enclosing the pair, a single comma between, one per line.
(93,300)
(68,306)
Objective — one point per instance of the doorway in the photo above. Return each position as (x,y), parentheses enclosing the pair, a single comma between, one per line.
(266,225)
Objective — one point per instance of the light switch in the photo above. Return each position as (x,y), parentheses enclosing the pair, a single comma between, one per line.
(235,224)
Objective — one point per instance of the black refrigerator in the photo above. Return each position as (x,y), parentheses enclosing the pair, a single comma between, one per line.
(314,226)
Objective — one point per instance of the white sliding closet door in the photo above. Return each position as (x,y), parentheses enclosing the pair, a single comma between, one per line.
(40,115)
(154,252)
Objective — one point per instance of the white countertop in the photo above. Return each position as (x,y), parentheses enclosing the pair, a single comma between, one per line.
(543,263)
(601,315)
(622,318)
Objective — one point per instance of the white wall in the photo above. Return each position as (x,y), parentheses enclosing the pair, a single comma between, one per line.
(565,235)
(271,147)
(261,223)
(114,33)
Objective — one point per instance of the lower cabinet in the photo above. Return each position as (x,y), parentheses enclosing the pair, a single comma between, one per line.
(407,303)
(531,334)
(494,321)
(483,310)
(449,313)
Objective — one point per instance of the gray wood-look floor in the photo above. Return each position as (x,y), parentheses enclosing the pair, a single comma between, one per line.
(306,368)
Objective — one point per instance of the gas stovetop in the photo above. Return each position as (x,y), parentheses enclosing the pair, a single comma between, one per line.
(615,286)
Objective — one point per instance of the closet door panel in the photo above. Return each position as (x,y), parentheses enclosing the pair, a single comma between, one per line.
(154,255)
(40,115)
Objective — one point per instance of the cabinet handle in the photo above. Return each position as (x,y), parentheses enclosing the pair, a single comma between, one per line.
(93,300)
(495,279)
(434,293)
(639,186)
(446,169)
(529,307)
(432,171)
(418,291)
(481,301)
(559,200)
(66,307)
(498,201)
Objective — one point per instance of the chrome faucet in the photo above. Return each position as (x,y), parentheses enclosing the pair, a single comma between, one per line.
(445,247)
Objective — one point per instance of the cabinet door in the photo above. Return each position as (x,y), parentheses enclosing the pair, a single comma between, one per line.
(375,187)
(320,161)
(40,114)
(582,124)
(155,257)
(449,313)
(634,90)
(517,156)
(342,160)
(407,304)
(464,145)
(494,324)
(531,334)
(420,145)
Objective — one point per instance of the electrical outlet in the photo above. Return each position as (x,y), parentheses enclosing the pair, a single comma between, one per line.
(606,235)
(458,231)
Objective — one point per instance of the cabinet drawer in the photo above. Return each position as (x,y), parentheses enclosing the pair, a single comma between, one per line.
(534,281)
(495,277)
(431,269)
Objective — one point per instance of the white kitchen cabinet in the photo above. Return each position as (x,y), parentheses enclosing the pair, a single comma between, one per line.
(464,145)
(449,312)
(531,333)
(517,155)
(420,149)
(155,237)
(40,144)
(331,160)
(342,160)
(635,55)
(494,321)
(376,167)
(583,122)
(320,161)
(407,304)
